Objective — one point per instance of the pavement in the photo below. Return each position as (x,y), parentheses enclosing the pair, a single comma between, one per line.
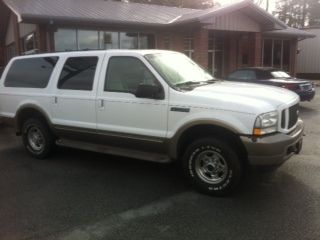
(78,195)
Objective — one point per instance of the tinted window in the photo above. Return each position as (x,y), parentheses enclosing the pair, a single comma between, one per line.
(124,74)
(78,73)
(263,75)
(243,75)
(30,72)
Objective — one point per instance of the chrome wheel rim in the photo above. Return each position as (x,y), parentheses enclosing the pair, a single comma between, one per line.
(36,139)
(211,166)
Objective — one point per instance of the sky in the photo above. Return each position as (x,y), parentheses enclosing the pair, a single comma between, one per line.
(272,3)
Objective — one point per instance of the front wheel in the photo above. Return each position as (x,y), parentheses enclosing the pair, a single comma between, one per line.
(212,166)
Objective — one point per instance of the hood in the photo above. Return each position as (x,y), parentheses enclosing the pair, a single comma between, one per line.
(288,80)
(243,97)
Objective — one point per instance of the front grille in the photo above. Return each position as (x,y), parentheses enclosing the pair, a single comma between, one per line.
(283,119)
(293,115)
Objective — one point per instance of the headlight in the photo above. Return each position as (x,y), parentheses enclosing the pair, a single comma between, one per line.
(266,123)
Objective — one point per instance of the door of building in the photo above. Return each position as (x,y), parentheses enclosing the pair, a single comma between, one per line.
(216,55)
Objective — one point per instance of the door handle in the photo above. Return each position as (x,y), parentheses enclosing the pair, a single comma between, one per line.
(101,103)
(55,99)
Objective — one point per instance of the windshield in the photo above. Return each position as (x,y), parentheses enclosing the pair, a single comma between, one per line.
(280,74)
(178,69)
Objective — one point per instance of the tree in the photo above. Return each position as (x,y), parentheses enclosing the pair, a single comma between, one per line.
(298,13)
(314,18)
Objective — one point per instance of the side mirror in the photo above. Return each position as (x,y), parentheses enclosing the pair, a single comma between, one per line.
(149,91)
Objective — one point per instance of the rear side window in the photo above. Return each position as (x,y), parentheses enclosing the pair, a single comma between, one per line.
(78,73)
(30,72)
(243,75)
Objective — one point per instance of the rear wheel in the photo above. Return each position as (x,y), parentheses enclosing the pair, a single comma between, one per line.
(37,138)
(212,166)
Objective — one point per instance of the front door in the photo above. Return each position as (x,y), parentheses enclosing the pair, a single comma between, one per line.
(119,112)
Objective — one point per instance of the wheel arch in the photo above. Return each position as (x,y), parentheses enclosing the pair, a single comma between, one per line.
(30,111)
(190,132)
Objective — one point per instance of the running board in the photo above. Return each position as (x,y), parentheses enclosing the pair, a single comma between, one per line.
(124,152)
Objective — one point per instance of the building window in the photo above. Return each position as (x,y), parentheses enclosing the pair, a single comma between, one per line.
(29,43)
(276,53)
(188,46)
(74,39)
(167,42)
(109,40)
(216,55)
(128,40)
(88,40)
(146,41)
(65,40)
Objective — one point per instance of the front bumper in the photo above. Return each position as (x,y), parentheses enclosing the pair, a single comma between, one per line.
(274,149)
(306,95)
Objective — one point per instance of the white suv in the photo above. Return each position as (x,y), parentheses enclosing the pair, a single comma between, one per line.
(153,105)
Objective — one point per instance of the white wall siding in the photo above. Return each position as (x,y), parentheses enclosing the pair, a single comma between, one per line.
(308,60)
(235,21)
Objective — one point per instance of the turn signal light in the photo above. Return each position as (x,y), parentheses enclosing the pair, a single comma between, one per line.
(257,132)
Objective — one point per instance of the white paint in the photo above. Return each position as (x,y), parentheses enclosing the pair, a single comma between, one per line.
(309,57)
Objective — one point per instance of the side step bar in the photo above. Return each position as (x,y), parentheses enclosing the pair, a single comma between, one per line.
(124,152)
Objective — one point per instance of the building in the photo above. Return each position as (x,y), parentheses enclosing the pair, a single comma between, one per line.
(221,39)
(308,61)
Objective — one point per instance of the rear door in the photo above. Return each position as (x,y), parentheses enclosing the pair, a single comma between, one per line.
(74,95)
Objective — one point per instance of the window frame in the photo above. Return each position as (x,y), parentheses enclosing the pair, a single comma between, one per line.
(128,92)
(12,62)
(94,76)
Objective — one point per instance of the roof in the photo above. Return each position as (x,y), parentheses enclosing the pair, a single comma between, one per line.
(290,32)
(101,11)
(109,11)
(119,12)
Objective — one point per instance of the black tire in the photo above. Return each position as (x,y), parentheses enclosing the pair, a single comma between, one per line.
(47,138)
(197,174)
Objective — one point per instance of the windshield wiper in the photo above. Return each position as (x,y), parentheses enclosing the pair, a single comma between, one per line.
(187,83)
(213,80)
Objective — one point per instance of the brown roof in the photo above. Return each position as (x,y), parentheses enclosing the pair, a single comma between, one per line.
(115,12)
(107,11)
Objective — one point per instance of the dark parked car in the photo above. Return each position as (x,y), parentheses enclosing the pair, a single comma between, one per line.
(275,77)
